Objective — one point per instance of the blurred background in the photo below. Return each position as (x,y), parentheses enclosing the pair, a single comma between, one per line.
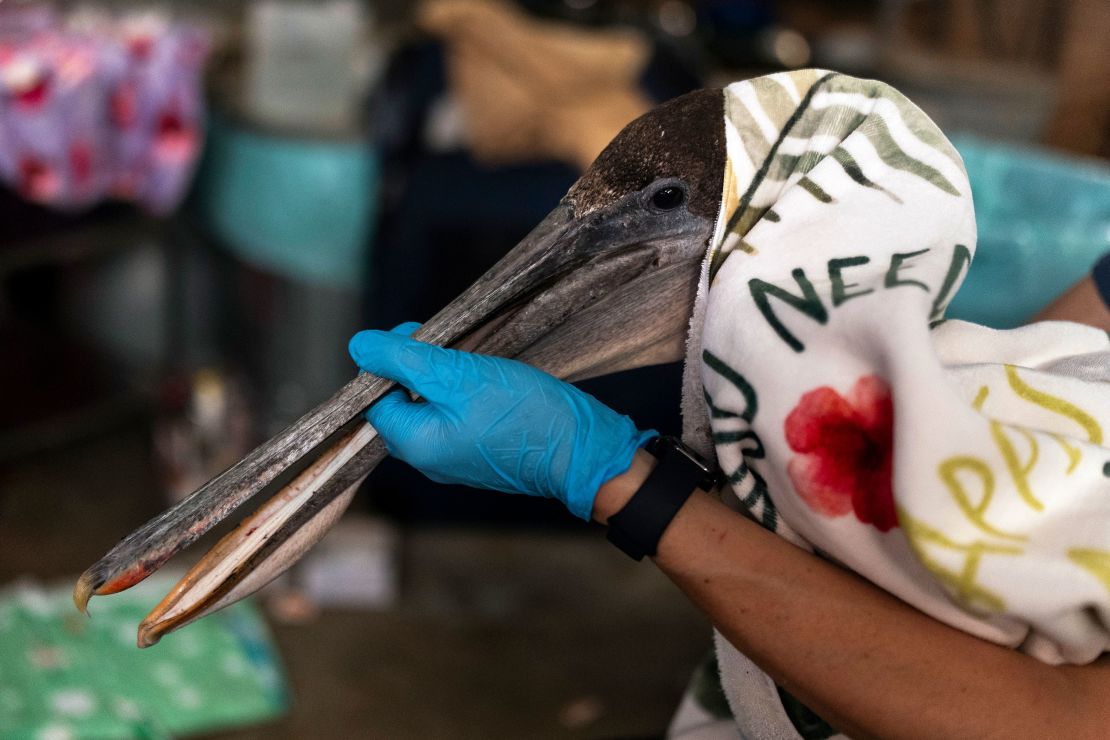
(200,203)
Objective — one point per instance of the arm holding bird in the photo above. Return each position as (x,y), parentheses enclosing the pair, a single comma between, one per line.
(867,662)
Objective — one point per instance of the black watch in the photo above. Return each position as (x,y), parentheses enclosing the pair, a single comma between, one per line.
(637,528)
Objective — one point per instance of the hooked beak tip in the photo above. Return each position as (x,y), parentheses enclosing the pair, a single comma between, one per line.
(83,590)
(148,635)
(93,583)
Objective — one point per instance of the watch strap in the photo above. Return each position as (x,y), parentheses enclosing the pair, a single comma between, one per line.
(637,528)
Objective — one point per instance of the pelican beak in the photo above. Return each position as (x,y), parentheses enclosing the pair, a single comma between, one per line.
(581,295)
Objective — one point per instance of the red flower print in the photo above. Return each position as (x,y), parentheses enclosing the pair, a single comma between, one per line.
(81,163)
(34,95)
(123,105)
(844,447)
(26,81)
(140,46)
(30,93)
(37,180)
(174,140)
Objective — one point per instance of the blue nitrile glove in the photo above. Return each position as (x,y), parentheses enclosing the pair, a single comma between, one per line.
(493,423)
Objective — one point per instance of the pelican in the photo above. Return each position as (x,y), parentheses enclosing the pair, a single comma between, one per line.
(606,282)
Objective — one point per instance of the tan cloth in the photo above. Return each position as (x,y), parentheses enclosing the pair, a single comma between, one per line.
(534,90)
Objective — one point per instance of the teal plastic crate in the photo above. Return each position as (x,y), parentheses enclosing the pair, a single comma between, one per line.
(300,207)
(1043,221)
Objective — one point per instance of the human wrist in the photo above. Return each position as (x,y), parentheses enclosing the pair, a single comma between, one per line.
(616,492)
(603,445)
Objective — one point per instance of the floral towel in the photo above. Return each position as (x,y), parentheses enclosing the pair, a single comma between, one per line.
(960,468)
(97,107)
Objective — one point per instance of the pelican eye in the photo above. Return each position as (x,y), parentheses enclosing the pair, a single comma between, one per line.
(668,198)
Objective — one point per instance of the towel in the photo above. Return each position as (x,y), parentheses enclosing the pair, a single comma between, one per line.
(63,676)
(963,469)
(95,107)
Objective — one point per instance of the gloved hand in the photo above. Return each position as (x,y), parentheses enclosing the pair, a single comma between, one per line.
(493,423)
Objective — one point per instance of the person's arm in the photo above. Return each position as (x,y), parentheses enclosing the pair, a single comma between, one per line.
(865,661)
(868,663)
(1086,302)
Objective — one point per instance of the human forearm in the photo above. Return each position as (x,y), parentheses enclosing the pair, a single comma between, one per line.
(864,660)
(1081,303)
(1087,302)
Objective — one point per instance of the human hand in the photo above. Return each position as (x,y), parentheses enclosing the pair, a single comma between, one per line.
(494,423)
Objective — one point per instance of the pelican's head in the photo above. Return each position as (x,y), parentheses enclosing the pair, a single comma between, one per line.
(605,282)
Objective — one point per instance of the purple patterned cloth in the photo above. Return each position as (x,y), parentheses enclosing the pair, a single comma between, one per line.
(99,108)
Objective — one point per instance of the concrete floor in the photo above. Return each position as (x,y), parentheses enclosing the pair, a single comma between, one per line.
(498,634)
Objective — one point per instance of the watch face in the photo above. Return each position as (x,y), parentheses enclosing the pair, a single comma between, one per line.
(712,476)
(676,444)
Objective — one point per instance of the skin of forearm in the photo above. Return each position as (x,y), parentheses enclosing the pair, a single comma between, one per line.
(868,663)
(1081,303)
